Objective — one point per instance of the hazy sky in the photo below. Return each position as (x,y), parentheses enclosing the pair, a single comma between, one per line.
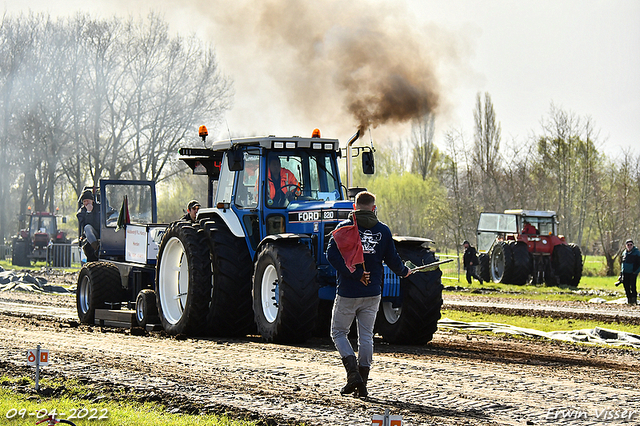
(583,56)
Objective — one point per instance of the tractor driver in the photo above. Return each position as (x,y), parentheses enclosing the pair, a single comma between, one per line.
(283,185)
(529,228)
(89,223)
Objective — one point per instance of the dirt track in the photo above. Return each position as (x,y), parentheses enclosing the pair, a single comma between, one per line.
(454,380)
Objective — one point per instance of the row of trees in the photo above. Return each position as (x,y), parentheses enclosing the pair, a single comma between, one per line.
(83,99)
(559,168)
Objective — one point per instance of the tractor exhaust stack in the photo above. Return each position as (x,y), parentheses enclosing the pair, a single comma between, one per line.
(351,141)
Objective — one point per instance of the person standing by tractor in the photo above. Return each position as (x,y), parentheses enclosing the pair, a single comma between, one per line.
(359,286)
(192,211)
(89,223)
(629,271)
(470,260)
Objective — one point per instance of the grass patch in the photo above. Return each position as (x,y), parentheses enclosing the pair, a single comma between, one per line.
(36,267)
(537,323)
(589,287)
(68,401)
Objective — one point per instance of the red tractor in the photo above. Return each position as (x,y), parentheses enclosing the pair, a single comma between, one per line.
(32,243)
(519,246)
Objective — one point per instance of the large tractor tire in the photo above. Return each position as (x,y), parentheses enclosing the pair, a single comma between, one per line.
(183,279)
(285,292)
(562,264)
(577,265)
(98,284)
(416,320)
(20,253)
(230,313)
(522,263)
(484,271)
(501,262)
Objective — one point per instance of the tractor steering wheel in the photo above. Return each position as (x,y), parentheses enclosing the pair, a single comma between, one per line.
(290,194)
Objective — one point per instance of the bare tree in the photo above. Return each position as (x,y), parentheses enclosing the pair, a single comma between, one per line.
(567,158)
(16,38)
(486,156)
(426,156)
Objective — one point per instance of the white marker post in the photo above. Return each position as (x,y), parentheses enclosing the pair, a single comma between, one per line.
(386,420)
(38,357)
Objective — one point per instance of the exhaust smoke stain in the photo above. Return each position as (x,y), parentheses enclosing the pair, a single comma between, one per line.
(364,58)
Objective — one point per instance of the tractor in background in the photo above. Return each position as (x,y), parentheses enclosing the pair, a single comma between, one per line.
(32,243)
(520,246)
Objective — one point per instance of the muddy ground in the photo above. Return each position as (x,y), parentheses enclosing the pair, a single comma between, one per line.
(457,379)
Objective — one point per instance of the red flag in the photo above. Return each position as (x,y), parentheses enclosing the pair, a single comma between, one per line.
(347,239)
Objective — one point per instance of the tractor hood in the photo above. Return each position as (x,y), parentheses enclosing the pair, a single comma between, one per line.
(319,211)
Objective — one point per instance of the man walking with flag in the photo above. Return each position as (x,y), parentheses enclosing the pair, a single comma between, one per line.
(357,248)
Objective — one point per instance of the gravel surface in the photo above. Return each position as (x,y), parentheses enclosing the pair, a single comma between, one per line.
(457,379)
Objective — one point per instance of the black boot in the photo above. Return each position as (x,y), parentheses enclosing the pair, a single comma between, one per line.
(362,389)
(89,252)
(353,376)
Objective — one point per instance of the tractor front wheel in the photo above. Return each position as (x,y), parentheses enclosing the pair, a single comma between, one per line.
(285,292)
(146,309)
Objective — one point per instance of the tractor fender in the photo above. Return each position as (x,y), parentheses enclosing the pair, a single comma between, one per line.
(228,217)
(286,237)
(418,241)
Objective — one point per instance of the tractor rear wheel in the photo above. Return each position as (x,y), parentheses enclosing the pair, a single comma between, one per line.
(501,262)
(563,263)
(285,292)
(416,320)
(522,263)
(230,312)
(483,267)
(577,265)
(98,283)
(183,279)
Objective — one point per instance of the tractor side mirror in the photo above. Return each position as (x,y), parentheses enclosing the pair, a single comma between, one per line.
(64,219)
(368,164)
(235,159)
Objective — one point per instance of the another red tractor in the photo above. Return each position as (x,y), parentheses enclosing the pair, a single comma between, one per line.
(32,243)
(519,246)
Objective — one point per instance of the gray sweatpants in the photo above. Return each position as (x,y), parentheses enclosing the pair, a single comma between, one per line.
(345,310)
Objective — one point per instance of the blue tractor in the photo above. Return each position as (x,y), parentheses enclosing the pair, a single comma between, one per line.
(254,261)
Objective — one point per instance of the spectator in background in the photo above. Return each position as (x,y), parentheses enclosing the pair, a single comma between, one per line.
(629,270)
(192,211)
(470,260)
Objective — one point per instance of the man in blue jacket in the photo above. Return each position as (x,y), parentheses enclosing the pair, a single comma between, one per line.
(358,292)
(629,270)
